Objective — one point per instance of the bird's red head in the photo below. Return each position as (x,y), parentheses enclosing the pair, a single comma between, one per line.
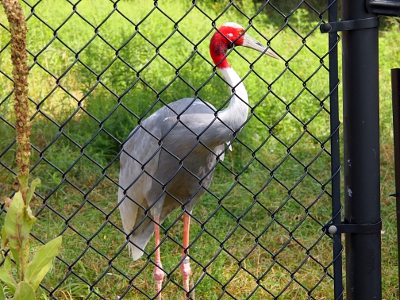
(226,36)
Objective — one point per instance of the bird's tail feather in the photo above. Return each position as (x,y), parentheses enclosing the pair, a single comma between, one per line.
(139,239)
(138,226)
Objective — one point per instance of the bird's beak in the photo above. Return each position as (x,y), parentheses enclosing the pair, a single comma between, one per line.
(252,43)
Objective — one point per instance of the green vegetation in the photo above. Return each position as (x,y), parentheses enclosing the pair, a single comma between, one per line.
(22,281)
(96,89)
(21,276)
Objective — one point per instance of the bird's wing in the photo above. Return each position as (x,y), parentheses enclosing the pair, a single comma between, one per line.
(190,106)
(139,161)
(200,117)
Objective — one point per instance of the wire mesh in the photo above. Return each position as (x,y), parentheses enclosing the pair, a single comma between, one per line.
(98,70)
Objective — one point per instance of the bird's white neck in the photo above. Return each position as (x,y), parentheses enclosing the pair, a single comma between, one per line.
(235,114)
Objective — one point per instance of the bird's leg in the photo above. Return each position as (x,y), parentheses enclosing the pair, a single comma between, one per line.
(158,272)
(185,265)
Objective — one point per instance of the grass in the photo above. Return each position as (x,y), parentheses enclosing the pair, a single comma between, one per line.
(257,232)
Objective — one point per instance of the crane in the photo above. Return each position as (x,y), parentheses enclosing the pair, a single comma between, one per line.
(168,160)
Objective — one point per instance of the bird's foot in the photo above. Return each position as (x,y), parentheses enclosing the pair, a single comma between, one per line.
(186,272)
(158,276)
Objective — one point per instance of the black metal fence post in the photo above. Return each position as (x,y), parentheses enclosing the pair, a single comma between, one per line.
(396,134)
(361,153)
(335,148)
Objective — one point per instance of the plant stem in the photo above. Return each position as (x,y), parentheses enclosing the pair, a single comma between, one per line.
(18,30)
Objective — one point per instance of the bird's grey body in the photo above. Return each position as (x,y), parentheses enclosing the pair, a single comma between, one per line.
(168,162)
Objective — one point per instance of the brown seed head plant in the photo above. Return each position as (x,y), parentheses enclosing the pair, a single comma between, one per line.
(18,30)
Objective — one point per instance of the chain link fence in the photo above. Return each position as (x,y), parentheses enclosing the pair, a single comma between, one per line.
(98,69)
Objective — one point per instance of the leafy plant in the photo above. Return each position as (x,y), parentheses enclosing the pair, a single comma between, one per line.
(24,281)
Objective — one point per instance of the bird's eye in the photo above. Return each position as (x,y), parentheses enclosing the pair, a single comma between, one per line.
(241,31)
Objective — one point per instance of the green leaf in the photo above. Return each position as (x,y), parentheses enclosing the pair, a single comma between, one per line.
(31,190)
(16,228)
(4,239)
(15,255)
(2,295)
(6,274)
(42,262)
(24,291)
(30,217)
